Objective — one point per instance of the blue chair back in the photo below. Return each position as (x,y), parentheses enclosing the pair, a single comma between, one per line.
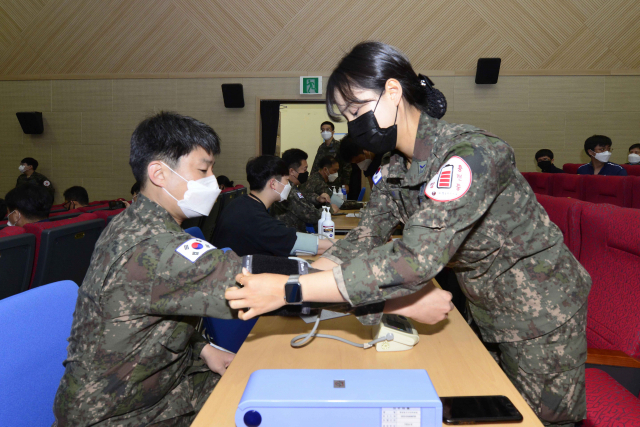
(195,232)
(33,345)
(361,195)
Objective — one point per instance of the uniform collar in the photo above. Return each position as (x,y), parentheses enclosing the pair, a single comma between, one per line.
(153,214)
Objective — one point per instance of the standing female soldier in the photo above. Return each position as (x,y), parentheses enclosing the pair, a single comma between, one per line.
(464,205)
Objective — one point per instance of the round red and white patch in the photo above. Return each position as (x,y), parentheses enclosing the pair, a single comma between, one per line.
(451,182)
(46,183)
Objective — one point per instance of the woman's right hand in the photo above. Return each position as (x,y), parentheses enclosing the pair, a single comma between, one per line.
(260,293)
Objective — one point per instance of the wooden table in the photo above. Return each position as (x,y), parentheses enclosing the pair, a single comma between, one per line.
(342,223)
(454,357)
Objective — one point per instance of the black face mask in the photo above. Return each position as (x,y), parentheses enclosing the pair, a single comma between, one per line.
(302,177)
(544,164)
(368,135)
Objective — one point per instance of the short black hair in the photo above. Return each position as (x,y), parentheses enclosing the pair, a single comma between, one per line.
(224,181)
(135,188)
(327,162)
(168,136)
(3,209)
(30,161)
(349,149)
(634,146)
(545,152)
(596,141)
(32,200)
(293,157)
(328,123)
(261,169)
(76,194)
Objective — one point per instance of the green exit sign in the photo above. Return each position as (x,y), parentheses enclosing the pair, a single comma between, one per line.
(310,85)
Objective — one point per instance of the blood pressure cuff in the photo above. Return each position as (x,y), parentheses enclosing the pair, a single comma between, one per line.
(306,244)
(337,200)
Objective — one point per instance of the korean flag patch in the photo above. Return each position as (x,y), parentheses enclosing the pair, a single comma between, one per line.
(377,176)
(300,195)
(451,182)
(194,249)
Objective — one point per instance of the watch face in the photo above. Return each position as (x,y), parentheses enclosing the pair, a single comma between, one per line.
(293,293)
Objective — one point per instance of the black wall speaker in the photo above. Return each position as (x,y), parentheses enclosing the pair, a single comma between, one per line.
(31,122)
(233,95)
(487,71)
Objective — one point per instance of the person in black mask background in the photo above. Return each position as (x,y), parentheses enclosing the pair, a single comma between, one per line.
(544,159)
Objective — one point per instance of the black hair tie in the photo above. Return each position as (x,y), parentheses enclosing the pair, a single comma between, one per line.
(436,101)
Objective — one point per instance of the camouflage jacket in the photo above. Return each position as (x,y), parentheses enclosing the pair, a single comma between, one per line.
(344,172)
(315,186)
(296,210)
(36,177)
(519,277)
(133,338)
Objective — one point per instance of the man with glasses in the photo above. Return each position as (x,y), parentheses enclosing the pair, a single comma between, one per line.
(598,147)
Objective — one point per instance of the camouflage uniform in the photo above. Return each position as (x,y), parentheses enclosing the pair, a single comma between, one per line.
(523,285)
(344,171)
(38,178)
(316,185)
(133,355)
(296,210)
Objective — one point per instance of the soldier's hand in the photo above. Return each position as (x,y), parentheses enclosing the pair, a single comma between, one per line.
(335,208)
(217,360)
(429,305)
(324,198)
(260,293)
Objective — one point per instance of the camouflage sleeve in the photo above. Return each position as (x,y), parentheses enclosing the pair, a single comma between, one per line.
(183,287)
(378,220)
(431,237)
(303,208)
(345,172)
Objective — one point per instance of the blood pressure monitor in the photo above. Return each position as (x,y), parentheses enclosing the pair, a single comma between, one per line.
(405,335)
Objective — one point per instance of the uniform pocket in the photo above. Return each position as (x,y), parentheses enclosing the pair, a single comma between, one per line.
(547,358)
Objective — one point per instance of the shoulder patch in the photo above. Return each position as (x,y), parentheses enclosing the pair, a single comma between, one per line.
(193,249)
(300,195)
(46,183)
(451,182)
(377,176)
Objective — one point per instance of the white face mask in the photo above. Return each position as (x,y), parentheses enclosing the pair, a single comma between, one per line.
(332,177)
(199,197)
(364,165)
(22,168)
(634,158)
(326,135)
(12,224)
(285,191)
(603,157)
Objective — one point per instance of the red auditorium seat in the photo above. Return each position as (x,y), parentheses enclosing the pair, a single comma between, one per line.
(567,185)
(571,167)
(632,170)
(107,215)
(539,182)
(64,248)
(91,208)
(565,213)
(608,403)
(16,256)
(615,190)
(635,192)
(610,252)
(72,211)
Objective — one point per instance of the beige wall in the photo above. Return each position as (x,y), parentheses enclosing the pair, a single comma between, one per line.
(88,123)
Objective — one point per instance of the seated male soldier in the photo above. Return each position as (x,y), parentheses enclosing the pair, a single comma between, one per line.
(245,225)
(75,197)
(28,203)
(319,182)
(134,356)
(297,210)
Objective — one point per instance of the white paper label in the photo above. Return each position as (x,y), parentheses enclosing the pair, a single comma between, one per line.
(400,417)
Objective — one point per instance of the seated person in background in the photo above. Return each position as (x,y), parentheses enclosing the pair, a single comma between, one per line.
(135,190)
(245,225)
(3,210)
(224,182)
(634,154)
(319,182)
(368,162)
(135,357)
(544,159)
(28,175)
(28,203)
(297,210)
(598,147)
(75,197)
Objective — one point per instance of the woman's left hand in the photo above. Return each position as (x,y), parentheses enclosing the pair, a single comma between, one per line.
(261,293)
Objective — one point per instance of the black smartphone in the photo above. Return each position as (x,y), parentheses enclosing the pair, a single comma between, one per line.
(116,204)
(478,409)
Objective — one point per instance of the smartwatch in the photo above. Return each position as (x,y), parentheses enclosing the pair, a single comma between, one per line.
(293,290)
